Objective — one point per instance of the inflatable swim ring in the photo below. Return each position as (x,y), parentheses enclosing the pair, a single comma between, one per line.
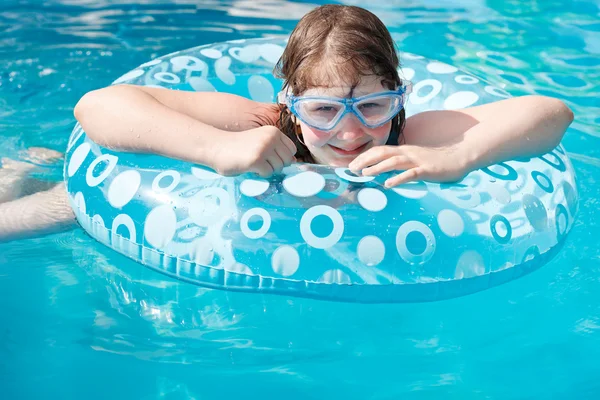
(318,231)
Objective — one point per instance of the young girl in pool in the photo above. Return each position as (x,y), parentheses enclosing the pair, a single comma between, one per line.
(335,53)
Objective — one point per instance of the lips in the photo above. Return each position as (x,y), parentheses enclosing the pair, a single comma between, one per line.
(350,151)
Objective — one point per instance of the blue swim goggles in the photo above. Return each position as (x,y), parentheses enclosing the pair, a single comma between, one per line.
(324,113)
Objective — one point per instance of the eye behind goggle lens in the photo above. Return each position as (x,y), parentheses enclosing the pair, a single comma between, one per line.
(319,112)
(379,110)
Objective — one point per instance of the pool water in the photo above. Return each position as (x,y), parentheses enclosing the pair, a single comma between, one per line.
(79,321)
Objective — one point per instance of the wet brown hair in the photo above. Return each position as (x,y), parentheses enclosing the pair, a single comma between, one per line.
(350,42)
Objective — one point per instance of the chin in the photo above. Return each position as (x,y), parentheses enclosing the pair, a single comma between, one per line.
(337,161)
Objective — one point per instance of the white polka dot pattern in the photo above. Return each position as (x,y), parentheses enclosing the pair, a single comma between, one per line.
(372,199)
(254,187)
(304,184)
(160,226)
(320,231)
(77,158)
(285,260)
(370,250)
(123,188)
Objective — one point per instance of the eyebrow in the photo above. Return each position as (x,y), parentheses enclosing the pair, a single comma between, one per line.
(349,95)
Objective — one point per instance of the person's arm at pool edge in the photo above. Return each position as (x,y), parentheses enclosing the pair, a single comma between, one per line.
(444,146)
(218,130)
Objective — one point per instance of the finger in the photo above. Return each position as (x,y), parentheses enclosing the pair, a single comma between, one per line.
(371,157)
(289,143)
(284,153)
(406,176)
(264,169)
(390,164)
(275,161)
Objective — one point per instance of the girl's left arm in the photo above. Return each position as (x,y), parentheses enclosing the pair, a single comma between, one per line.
(445,145)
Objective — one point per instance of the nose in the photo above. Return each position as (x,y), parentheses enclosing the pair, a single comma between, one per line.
(350,128)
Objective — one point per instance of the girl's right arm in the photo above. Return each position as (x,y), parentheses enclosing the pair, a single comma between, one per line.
(219,130)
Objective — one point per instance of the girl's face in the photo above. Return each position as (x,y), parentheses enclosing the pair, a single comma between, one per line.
(349,138)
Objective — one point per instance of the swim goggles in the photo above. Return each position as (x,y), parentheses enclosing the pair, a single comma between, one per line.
(324,113)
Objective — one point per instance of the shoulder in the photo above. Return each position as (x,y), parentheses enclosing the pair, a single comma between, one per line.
(437,127)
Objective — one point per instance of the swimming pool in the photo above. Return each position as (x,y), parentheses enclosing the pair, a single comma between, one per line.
(78,320)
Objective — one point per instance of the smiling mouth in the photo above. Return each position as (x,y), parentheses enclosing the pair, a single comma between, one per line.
(345,152)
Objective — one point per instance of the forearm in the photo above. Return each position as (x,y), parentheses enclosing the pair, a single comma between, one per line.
(127,119)
(38,214)
(524,127)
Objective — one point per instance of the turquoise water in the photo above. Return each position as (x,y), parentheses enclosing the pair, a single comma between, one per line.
(80,321)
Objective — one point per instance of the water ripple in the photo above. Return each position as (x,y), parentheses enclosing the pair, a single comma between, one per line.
(68,302)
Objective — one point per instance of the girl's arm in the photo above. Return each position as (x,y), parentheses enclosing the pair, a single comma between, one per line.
(199,127)
(444,146)
(487,134)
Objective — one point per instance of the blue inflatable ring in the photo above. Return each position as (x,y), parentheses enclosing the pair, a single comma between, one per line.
(317,231)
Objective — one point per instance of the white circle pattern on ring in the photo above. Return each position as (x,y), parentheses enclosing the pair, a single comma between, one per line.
(254,187)
(450,222)
(407,255)
(222,70)
(211,53)
(160,226)
(499,193)
(329,240)
(372,199)
(408,73)
(205,174)
(266,223)
(466,79)
(497,92)
(79,202)
(370,250)
(285,260)
(460,100)
(124,219)
(412,190)
(270,52)
(74,137)
(167,77)
(92,180)
(465,197)
(188,63)
(343,173)
(156,188)
(260,89)
(335,276)
(304,184)
(204,210)
(436,88)
(411,56)
(77,158)
(436,67)
(123,187)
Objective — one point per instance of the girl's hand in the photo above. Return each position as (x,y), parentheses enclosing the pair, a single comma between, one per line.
(264,150)
(436,164)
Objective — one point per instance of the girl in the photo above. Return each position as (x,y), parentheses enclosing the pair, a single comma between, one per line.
(335,53)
